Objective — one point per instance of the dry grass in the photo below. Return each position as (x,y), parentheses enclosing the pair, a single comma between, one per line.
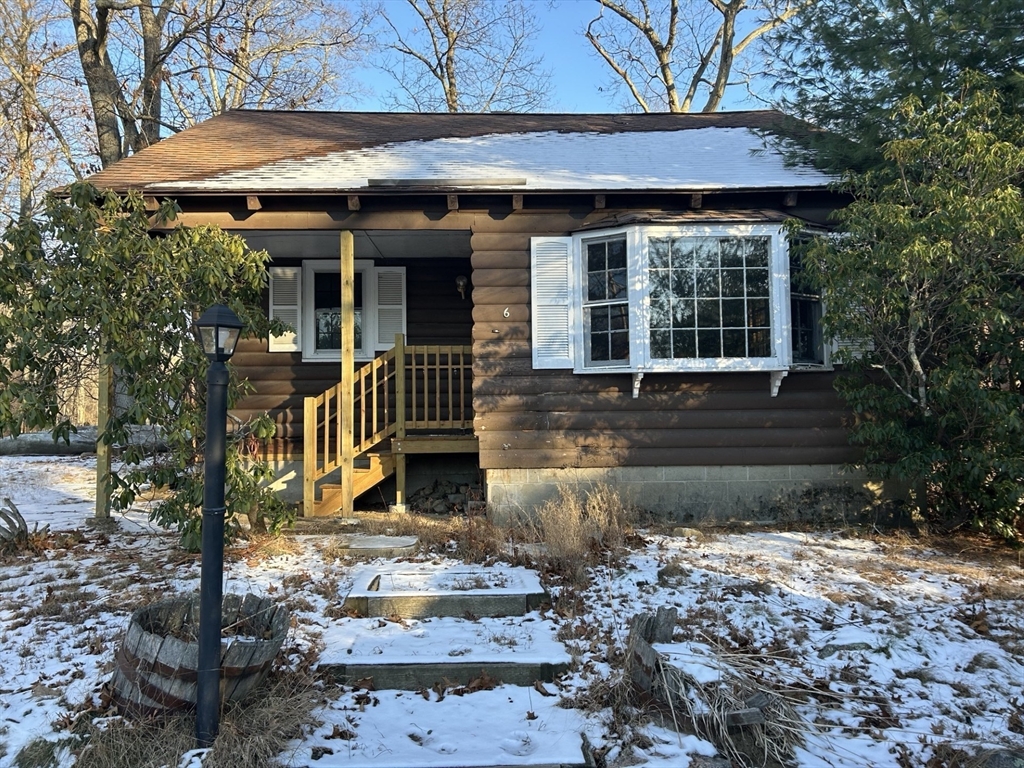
(579,527)
(263,546)
(252,734)
(472,539)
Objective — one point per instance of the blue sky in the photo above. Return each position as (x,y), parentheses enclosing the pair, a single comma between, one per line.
(577,74)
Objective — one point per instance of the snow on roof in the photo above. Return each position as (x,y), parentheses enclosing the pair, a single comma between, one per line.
(697,159)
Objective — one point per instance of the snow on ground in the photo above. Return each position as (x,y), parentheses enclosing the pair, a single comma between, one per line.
(891,654)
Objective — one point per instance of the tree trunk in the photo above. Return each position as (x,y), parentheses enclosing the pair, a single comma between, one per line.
(104,88)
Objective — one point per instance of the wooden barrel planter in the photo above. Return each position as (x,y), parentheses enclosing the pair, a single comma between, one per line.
(156,664)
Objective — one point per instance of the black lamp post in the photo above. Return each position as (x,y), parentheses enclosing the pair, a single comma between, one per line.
(217,329)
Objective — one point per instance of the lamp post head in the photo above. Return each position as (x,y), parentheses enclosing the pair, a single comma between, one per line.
(218,329)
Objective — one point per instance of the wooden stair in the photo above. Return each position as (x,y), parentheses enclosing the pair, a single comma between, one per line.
(367,418)
(378,465)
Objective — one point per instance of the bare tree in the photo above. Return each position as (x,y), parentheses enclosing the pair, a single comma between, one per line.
(265,54)
(464,56)
(667,53)
(41,119)
(207,57)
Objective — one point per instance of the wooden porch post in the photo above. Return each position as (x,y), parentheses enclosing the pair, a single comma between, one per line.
(346,402)
(309,440)
(400,421)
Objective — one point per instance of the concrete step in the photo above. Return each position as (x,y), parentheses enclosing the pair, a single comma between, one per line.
(422,623)
(418,590)
(425,673)
(366,545)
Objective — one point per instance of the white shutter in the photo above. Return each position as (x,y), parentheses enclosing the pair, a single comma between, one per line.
(390,285)
(552,314)
(846,349)
(285,305)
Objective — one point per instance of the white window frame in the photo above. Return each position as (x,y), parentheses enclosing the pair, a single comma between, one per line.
(312,267)
(637,262)
(307,326)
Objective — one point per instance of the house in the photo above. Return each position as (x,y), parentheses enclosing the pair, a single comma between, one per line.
(544,298)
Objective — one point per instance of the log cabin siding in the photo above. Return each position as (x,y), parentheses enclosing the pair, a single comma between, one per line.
(435,314)
(534,419)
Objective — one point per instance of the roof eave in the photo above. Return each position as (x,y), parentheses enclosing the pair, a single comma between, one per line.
(174,191)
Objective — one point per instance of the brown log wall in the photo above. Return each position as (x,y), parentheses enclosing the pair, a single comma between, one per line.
(556,419)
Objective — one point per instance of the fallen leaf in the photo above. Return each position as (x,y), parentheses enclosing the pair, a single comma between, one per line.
(365,684)
(538,686)
(341,733)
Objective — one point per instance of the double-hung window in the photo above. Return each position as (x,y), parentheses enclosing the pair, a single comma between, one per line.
(308,299)
(605,302)
(664,298)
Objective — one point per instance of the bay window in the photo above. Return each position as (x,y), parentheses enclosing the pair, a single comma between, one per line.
(667,298)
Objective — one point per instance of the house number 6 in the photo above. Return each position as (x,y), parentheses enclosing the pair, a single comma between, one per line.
(506,313)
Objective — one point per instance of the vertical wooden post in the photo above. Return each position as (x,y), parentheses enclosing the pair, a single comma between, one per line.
(103,406)
(400,420)
(308,455)
(346,402)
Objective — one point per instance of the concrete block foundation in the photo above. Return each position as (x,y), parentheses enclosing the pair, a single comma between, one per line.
(798,493)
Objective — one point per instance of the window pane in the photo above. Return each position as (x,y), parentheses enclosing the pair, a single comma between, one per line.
(758,343)
(708,315)
(683,313)
(806,314)
(732,252)
(734,313)
(706,253)
(682,252)
(596,288)
(596,257)
(707,283)
(709,343)
(659,252)
(757,313)
(661,313)
(661,344)
(732,282)
(620,345)
(327,290)
(327,310)
(757,282)
(684,344)
(616,254)
(607,333)
(616,284)
(618,316)
(757,251)
(660,282)
(734,343)
(682,282)
(328,328)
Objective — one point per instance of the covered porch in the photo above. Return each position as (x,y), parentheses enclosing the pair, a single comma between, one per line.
(332,392)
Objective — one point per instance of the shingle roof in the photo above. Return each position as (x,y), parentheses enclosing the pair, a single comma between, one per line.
(254,151)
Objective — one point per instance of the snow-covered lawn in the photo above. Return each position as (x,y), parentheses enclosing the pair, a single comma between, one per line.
(890,653)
